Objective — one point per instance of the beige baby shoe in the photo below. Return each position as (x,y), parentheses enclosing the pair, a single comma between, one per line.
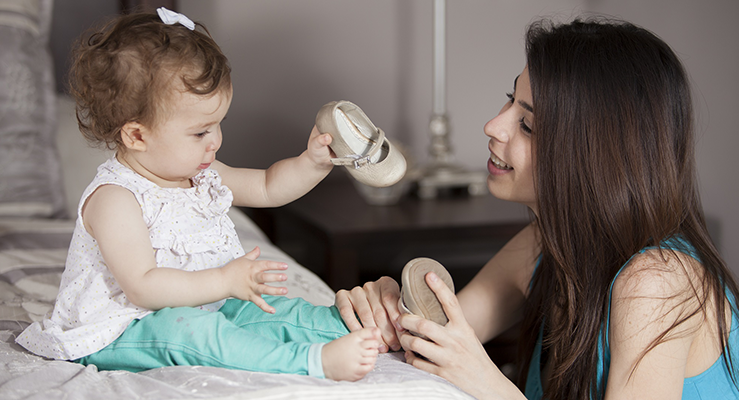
(359,145)
(415,295)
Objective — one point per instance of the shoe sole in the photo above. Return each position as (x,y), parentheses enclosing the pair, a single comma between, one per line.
(416,297)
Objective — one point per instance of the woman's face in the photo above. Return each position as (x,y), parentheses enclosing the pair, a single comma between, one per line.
(511,162)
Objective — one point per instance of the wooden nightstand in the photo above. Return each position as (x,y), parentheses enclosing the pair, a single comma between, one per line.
(336,234)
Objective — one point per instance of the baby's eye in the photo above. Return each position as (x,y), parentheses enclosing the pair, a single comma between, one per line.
(201,134)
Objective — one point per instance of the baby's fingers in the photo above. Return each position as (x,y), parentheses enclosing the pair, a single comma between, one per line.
(259,270)
(262,277)
(259,302)
(265,277)
(253,254)
(271,290)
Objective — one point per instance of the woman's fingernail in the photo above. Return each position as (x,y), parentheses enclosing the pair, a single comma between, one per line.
(433,277)
(382,348)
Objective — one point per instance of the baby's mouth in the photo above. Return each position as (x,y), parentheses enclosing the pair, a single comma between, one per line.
(498,162)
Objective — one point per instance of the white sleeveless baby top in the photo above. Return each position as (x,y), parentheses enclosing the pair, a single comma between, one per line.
(189,230)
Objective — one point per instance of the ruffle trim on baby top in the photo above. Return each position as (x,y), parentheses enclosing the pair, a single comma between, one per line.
(216,198)
(208,197)
(190,220)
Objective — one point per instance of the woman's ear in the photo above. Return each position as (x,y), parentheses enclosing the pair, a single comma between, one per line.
(132,135)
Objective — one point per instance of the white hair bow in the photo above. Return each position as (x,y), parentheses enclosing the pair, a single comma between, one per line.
(170,17)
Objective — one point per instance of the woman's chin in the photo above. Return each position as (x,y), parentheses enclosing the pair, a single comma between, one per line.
(501,191)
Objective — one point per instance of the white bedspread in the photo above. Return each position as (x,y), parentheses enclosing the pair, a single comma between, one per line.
(32,254)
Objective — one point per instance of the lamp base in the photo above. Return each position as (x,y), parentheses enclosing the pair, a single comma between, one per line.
(444,176)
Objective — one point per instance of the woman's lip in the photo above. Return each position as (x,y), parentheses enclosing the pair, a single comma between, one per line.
(499,162)
(494,170)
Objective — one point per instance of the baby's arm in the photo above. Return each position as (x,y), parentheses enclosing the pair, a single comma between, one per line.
(285,180)
(113,217)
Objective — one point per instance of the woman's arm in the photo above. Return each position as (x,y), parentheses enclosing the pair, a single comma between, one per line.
(113,217)
(492,302)
(649,296)
(284,181)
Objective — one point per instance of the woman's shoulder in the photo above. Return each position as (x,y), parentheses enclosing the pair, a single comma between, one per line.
(658,292)
(664,311)
(660,273)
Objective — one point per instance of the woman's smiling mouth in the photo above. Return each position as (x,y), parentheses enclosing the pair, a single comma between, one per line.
(498,163)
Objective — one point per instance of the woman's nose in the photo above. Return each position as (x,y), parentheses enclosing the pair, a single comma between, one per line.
(499,127)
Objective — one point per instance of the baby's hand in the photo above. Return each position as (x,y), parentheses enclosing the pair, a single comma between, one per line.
(247,277)
(318,150)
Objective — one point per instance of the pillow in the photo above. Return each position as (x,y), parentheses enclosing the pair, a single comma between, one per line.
(30,177)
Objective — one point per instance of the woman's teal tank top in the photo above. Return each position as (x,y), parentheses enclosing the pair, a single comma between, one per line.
(713,383)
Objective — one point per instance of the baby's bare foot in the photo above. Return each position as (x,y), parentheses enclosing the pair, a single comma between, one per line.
(351,357)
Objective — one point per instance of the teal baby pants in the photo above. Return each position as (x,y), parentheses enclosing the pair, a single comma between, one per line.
(238,336)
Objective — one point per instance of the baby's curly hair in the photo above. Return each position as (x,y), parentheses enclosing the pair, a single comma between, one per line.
(127,70)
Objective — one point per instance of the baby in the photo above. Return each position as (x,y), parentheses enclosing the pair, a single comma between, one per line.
(156,275)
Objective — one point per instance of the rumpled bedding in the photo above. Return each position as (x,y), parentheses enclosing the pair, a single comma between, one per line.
(32,255)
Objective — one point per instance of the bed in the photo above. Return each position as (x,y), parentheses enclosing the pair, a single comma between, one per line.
(45,165)
(32,254)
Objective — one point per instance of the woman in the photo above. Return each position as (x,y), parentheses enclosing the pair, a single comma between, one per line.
(617,285)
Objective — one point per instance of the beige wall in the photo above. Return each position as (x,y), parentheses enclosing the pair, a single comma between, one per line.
(292,56)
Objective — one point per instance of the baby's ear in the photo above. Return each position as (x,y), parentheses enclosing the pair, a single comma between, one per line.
(132,135)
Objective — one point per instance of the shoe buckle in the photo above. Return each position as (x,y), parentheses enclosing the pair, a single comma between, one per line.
(359,161)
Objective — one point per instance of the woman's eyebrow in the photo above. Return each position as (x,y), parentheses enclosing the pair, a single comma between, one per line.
(526,106)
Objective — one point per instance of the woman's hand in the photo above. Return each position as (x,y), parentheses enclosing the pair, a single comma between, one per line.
(376,305)
(247,279)
(453,351)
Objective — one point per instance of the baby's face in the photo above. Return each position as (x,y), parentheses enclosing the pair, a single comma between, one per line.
(187,140)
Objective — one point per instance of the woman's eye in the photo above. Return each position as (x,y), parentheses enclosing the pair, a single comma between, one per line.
(522,121)
(524,127)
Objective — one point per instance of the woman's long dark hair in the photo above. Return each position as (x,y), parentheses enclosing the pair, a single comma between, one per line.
(615,172)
